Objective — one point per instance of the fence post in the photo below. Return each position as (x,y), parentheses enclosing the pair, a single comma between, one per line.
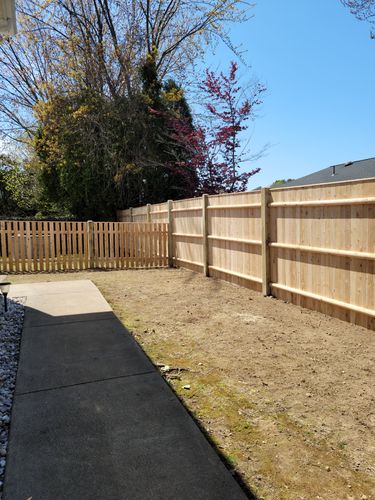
(206,270)
(131,214)
(170,235)
(90,243)
(266,264)
(148,212)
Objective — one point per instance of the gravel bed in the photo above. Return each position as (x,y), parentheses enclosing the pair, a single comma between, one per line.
(10,339)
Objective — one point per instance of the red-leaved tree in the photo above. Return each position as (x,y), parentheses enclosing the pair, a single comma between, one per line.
(210,156)
(228,113)
(214,149)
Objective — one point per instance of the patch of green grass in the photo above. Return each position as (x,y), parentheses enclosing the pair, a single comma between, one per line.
(232,460)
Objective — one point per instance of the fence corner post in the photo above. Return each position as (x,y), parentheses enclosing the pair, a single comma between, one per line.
(148,212)
(206,270)
(90,244)
(131,214)
(266,264)
(170,233)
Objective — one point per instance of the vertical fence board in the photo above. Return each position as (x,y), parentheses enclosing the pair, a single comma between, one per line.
(58,245)
(81,245)
(46,246)
(117,245)
(266,265)
(22,242)
(158,244)
(4,257)
(10,248)
(165,249)
(63,246)
(52,245)
(16,246)
(106,237)
(151,247)
(122,246)
(39,237)
(141,242)
(74,245)
(126,245)
(98,234)
(111,245)
(130,243)
(69,243)
(28,246)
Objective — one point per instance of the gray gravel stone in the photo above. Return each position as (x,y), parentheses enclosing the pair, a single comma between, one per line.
(10,340)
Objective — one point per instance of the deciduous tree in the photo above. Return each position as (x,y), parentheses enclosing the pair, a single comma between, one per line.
(75,83)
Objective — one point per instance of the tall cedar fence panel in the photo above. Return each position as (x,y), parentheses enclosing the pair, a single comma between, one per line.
(312,245)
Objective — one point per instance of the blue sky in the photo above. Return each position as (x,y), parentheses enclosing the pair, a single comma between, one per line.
(318,63)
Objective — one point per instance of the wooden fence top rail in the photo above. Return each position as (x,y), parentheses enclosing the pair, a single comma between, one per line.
(323,203)
(318,185)
(130,224)
(328,251)
(159,212)
(235,273)
(234,240)
(187,235)
(232,207)
(187,209)
(328,300)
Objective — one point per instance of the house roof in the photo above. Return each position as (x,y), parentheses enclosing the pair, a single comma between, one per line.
(361,169)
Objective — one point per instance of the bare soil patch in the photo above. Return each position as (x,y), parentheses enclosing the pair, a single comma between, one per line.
(286,394)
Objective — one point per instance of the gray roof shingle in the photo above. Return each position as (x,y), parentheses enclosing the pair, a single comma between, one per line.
(361,169)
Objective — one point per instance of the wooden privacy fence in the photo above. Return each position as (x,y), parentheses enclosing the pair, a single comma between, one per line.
(310,245)
(59,246)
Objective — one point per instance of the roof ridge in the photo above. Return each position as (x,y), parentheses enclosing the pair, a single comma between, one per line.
(353,161)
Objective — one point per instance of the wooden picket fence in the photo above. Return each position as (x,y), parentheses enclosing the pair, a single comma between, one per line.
(31,246)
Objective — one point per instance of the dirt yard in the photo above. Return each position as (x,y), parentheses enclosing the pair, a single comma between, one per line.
(286,394)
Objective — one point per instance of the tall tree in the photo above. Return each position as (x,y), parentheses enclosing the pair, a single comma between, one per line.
(101,44)
(97,154)
(78,81)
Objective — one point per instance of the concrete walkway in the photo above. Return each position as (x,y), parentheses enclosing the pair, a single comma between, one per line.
(92,417)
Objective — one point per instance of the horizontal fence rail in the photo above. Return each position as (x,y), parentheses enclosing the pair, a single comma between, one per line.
(31,246)
(311,245)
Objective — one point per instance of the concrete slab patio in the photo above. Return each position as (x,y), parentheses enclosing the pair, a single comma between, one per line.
(92,417)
